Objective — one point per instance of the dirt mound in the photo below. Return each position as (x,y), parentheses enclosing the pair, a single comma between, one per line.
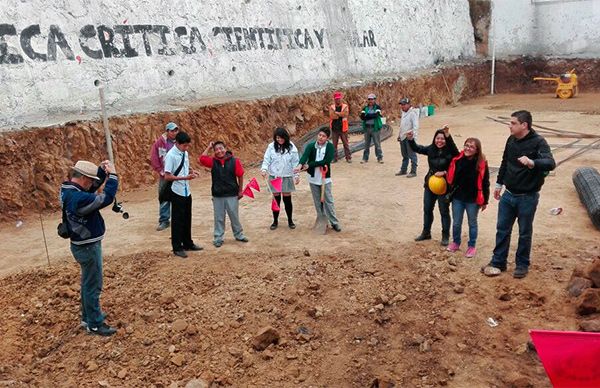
(409,315)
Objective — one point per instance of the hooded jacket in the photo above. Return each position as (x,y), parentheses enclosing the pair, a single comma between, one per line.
(82,208)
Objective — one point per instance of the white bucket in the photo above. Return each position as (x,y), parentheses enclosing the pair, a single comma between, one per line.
(383,120)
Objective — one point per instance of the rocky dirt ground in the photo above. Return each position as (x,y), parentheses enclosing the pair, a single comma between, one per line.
(365,307)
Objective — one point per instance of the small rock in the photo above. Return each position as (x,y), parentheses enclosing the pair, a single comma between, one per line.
(416,339)
(269,277)
(178,359)
(577,285)
(291,356)
(521,349)
(103,383)
(122,373)
(373,341)
(505,297)
(520,382)
(379,307)
(179,325)
(589,302)
(399,298)
(267,354)
(306,252)
(590,326)
(265,337)
(172,349)
(166,299)
(458,289)
(191,330)
(452,261)
(197,383)
(593,273)
(91,366)
(147,341)
(371,310)
(235,352)
(383,382)
(425,346)
(129,330)
(382,299)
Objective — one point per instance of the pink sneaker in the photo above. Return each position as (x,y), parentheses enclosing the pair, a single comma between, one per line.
(471,252)
(453,247)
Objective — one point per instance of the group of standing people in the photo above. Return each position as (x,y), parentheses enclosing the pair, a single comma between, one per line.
(526,161)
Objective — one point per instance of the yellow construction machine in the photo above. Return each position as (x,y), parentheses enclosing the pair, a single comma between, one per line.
(566,84)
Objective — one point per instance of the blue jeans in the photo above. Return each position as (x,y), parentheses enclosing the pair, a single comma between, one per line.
(429,200)
(371,134)
(520,207)
(164,209)
(458,211)
(408,154)
(89,257)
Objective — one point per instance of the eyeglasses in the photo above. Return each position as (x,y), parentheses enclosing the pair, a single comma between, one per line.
(370,99)
(471,146)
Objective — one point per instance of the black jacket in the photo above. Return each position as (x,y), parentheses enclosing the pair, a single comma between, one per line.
(517,178)
(438,158)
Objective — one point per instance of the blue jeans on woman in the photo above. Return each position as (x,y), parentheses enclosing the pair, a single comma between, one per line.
(520,207)
(429,200)
(89,257)
(458,211)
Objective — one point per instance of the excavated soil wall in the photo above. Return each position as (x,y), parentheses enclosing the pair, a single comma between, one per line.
(40,158)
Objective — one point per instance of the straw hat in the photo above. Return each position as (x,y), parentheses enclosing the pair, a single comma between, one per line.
(86,168)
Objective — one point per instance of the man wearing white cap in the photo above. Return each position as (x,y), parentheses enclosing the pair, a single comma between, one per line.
(85,225)
(409,122)
(159,150)
(371,117)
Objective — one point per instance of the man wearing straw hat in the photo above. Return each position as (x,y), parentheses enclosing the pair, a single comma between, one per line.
(81,211)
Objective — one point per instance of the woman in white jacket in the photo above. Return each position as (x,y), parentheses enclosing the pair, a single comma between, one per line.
(280,159)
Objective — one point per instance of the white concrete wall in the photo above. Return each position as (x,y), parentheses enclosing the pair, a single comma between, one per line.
(546,27)
(329,43)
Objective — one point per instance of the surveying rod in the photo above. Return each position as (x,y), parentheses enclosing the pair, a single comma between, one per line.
(117,207)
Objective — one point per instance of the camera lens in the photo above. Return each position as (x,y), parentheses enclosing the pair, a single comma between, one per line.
(126,215)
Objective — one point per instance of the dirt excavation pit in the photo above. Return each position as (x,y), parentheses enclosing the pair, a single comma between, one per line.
(365,307)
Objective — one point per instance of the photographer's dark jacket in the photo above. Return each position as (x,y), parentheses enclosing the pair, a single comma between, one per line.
(438,158)
(82,208)
(520,179)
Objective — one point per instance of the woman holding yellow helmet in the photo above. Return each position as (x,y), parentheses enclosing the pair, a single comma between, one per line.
(439,155)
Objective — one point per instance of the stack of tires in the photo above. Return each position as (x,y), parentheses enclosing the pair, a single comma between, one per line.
(587,184)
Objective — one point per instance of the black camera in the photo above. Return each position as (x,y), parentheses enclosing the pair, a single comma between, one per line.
(118,208)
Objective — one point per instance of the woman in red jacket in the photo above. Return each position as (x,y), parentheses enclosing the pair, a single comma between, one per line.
(469,178)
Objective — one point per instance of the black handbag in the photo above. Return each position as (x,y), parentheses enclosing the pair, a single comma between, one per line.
(63,227)
(450,194)
(164,194)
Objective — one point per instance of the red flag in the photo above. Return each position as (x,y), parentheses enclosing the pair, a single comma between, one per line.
(275,206)
(254,184)
(571,358)
(248,192)
(277,184)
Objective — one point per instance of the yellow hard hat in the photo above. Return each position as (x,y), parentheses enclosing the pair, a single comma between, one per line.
(437,185)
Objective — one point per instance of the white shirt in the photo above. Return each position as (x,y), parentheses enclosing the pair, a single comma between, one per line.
(318,179)
(172,161)
(409,122)
(278,164)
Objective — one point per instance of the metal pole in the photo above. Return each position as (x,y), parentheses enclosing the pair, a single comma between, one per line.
(105,125)
(493,76)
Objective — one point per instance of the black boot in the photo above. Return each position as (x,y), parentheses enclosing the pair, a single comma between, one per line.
(423,236)
(445,239)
